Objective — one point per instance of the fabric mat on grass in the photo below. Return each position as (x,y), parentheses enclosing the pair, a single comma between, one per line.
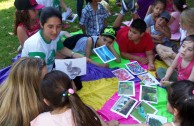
(101,94)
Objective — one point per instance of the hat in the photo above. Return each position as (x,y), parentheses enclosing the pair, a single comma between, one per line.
(27,4)
(165,15)
(109,31)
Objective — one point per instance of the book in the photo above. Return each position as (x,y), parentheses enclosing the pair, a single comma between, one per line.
(155,120)
(126,88)
(148,93)
(122,74)
(148,79)
(135,68)
(104,54)
(140,112)
(123,106)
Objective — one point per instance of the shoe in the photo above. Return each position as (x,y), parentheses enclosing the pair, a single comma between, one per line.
(128,5)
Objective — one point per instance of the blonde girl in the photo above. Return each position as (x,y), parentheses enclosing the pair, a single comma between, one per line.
(20,96)
(184,62)
(167,54)
(26,19)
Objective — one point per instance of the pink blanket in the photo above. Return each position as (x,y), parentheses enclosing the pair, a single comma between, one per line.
(108,115)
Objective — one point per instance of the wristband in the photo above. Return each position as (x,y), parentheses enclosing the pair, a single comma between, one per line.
(72,53)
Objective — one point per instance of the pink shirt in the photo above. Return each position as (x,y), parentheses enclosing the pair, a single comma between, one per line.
(33,29)
(184,73)
(47,119)
(174,26)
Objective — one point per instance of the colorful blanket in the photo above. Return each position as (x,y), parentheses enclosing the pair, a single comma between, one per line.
(100,88)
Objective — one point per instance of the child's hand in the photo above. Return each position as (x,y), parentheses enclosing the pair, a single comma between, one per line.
(165,83)
(113,123)
(151,67)
(143,60)
(159,37)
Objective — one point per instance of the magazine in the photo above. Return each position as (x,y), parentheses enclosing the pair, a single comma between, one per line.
(148,93)
(139,113)
(124,106)
(155,120)
(135,68)
(122,74)
(148,79)
(126,88)
(104,54)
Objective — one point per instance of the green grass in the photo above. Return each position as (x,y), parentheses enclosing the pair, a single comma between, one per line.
(9,42)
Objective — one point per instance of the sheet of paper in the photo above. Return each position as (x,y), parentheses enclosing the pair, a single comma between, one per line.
(72,67)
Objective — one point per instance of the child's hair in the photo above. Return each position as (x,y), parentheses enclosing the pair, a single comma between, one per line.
(108,32)
(181,97)
(90,1)
(189,38)
(20,95)
(139,25)
(55,87)
(180,4)
(159,2)
(21,17)
(49,12)
(186,18)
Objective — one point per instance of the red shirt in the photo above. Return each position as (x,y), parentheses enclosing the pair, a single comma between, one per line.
(128,46)
(35,28)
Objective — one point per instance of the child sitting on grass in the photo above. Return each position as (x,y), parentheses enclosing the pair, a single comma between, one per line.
(84,44)
(160,32)
(136,40)
(93,18)
(184,61)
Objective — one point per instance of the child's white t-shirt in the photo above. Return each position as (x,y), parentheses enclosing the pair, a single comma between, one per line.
(36,46)
(47,119)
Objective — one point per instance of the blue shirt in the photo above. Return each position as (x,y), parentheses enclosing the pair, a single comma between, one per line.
(93,22)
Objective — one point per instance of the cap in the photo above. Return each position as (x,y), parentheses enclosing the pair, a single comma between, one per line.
(109,31)
(27,4)
(165,15)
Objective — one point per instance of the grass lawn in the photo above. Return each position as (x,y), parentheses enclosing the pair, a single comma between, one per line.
(9,42)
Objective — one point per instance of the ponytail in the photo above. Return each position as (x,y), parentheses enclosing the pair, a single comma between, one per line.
(57,89)
(82,114)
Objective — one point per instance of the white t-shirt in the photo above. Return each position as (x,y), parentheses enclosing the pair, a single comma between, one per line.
(37,46)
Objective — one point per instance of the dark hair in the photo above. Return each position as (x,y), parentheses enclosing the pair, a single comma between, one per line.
(159,1)
(139,25)
(49,12)
(181,97)
(108,32)
(54,85)
(89,1)
(21,17)
(189,38)
(180,4)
